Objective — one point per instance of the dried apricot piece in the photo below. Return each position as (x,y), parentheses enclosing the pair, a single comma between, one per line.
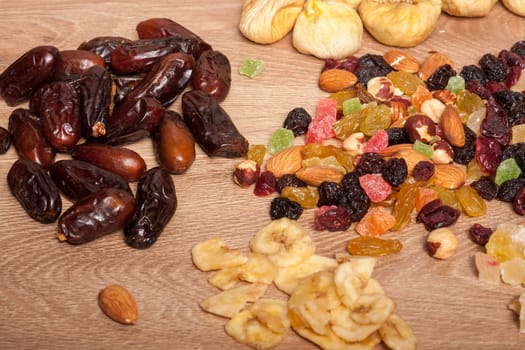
(420,95)
(423,196)
(376,222)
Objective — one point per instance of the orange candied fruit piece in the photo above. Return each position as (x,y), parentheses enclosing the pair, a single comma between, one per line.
(421,95)
(376,222)
(424,195)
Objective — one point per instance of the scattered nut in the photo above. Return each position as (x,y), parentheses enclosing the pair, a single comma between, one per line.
(450,176)
(246,173)
(401,61)
(443,153)
(447,97)
(453,127)
(433,62)
(355,143)
(118,304)
(442,243)
(381,88)
(420,127)
(433,108)
(334,80)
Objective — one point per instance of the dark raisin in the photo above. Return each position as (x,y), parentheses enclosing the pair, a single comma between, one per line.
(283,207)
(516,151)
(510,59)
(332,219)
(266,184)
(485,187)
(297,120)
(496,123)
(495,86)
(395,171)
(356,202)
(509,99)
(519,202)
(289,180)
(494,69)
(350,182)
(463,155)
(330,193)
(397,136)
(439,79)
(350,64)
(519,48)
(435,215)
(423,170)
(507,191)
(480,234)
(370,163)
(371,66)
(517,114)
(473,72)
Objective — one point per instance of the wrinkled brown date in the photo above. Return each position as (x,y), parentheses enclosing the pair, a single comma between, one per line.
(119,160)
(211,126)
(96,215)
(77,179)
(95,101)
(174,143)
(28,138)
(58,106)
(140,55)
(212,74)
(103,46)
(73,63)
(156,204)
(5,140)
(167,78)
(133,120)
(124,84)
(30,71)
(35,190)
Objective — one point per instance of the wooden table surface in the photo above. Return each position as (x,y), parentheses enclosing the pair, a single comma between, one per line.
(48,290)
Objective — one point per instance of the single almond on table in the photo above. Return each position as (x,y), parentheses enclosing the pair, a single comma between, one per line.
(118,304)
(333,80)
(401,61)
(453,127)
(287,161)
(432,63)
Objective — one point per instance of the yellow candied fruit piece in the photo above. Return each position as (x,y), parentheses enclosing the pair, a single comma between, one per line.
(518,134)
(342,96)
(501,248)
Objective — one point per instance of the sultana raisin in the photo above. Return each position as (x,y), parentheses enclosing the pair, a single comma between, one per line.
(256,153)
(306,196)
(471,202)
(289,180)
(373,246)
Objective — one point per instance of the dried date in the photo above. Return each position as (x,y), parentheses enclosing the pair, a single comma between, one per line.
(211,126)
(71,64)
(28,138)
(77,179)
(25,75)
(124,84)
(156,202)
(35,190)
(95,101)
(212,74)
(96,215)
(174,143)
(5,140)
(119,160)
(103,46)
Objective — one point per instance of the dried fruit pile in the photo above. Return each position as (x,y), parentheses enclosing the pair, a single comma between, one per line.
(335,303)
(400,138)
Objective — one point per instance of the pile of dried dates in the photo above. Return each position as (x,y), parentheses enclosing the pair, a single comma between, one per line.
(92,101)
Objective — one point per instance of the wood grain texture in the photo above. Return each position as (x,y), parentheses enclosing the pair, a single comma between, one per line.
(48,290)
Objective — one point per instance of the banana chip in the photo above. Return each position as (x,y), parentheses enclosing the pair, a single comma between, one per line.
(213,254)
(397,335)
(229,302)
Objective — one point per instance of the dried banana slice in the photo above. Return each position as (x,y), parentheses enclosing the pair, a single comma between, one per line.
(351,278)
(288,277)
(229,302)
(284,241)
(268,21)
(397,334)
(225,278)
(372,309)
(467,8)
(403,23)
(212,254)
(515,6)
(329,29)
(373,287)
(353,3)
(258,268)
(262,325)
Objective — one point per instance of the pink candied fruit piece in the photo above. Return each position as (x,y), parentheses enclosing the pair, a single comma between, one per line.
(322,126)
(375,187)
(377,143)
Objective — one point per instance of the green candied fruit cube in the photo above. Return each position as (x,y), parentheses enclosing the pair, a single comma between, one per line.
(251,67)
(423,148)
(282,138)
(351,105)
(455,84)
(507,170)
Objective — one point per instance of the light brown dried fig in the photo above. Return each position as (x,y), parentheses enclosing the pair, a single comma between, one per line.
(515,6)
(467,8)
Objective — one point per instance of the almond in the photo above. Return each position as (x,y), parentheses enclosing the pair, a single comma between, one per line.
(118,304)
(391,150)
(334,80)
(453,127)
(450,176)
(315,175)
(402,61)
(287,161)
(432,63)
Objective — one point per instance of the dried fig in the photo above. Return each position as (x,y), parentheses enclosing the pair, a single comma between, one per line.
(328,30)
(467,8)
(515,6)
(403,23)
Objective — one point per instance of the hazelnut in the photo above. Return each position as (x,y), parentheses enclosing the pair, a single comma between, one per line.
(246,173)
(381,88)
(355,143)
(420,127)
(442,243)
(433,108)
(443,153)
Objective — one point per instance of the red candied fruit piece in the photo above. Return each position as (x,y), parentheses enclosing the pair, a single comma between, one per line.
(321,127)
(266,184)
(375,187)
(377,143)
